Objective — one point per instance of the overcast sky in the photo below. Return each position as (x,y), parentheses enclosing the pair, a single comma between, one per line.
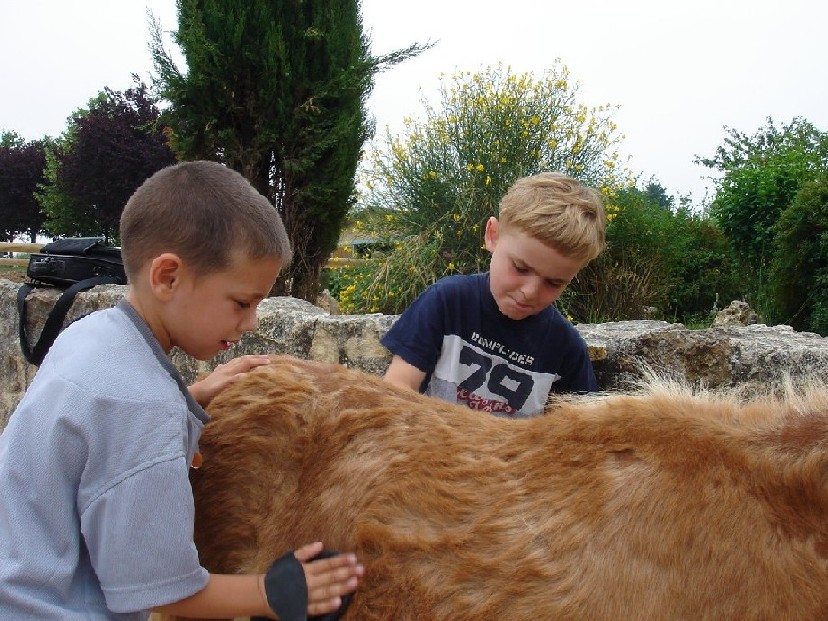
(679,71)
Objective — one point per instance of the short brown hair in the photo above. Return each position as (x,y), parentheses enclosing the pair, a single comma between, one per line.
(557,211)
(204,212)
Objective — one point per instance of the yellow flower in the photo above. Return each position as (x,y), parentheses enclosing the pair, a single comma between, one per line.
(455,217)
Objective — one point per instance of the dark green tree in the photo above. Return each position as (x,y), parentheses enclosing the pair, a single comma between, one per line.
(276,90)
(662,260)
(22,167)
(106,152)
(762,174)
(657,193)
(799,274)
(704,272)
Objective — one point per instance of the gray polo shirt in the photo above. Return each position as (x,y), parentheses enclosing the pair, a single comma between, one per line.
(96,509)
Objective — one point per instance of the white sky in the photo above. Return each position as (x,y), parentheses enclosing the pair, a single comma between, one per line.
(679,70)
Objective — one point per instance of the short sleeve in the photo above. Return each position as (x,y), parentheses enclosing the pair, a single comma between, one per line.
(417,335)
(139,534)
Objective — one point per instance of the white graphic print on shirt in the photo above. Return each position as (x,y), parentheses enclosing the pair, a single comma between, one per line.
(482,379)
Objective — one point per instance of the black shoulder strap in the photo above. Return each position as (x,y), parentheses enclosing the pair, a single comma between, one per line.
(54,322)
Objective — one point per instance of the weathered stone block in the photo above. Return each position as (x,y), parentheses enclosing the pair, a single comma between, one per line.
(751,357)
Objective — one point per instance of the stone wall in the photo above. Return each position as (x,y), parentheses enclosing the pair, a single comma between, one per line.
(752,356)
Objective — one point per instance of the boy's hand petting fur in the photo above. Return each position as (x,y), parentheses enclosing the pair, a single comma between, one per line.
(311,582)
(223,375)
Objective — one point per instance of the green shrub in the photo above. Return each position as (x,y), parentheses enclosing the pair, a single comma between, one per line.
(660,262)
(799,273)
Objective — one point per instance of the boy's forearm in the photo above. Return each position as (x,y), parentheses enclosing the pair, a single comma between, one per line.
(225,596)
(404,375)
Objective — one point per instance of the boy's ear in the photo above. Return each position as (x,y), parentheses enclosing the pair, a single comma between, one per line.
(165,274)
(490,235)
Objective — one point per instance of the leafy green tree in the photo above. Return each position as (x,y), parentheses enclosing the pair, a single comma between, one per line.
(106,152)
(632,273)
(762,175)
(704,274)
(662,261)
(21,171)
(431,191)
(657,193)
(276,90)
(799,273)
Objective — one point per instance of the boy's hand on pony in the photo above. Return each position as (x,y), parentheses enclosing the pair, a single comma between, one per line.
(329,577)
(223,375)
(311,582)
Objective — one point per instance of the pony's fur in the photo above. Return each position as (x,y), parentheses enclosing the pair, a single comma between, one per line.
(661,506)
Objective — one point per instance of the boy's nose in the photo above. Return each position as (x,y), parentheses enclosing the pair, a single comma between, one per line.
(250,323)
(529,289)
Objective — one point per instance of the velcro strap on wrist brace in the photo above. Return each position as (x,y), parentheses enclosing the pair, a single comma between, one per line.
(286,588)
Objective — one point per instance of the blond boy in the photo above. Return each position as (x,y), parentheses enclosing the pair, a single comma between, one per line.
(494,341)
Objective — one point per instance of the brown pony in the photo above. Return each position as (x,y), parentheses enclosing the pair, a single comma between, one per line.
(661,506)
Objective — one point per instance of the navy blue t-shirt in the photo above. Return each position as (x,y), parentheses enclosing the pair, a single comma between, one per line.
(474,355)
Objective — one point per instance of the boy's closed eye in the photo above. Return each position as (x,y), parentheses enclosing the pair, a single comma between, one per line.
(550,283)
(520,268)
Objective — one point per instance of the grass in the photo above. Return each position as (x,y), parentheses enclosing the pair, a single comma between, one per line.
(15,273)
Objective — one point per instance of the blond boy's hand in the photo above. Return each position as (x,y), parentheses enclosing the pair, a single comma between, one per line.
(223,375)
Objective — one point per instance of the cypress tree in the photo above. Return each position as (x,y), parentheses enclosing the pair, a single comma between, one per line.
(276,89)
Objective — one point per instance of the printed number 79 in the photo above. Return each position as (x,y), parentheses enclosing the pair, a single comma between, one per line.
(500,379)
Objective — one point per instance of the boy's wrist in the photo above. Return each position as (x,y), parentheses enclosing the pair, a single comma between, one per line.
(286,589)
(260,583)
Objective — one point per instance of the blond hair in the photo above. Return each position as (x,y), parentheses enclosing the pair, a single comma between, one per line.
(205,213)
(557,211)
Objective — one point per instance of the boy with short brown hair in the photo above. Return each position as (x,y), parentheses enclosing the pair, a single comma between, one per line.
(96,508)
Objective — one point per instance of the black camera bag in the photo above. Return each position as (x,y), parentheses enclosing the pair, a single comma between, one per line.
(74,264)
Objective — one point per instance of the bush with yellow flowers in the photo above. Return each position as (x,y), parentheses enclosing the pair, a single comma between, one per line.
(429,192)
